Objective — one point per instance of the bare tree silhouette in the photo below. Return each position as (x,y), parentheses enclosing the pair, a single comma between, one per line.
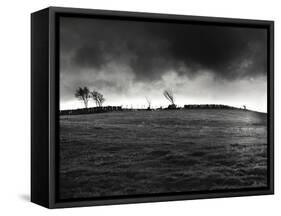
(98,98)
(148,102)
(170,97)
(83,94)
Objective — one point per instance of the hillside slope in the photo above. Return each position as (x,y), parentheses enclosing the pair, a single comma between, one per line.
(125,153)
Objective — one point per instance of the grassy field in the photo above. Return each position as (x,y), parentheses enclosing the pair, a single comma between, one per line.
(126,153)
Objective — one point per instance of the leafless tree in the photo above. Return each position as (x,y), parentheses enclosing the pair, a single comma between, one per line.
(98,98)
(83,94)
(148,102)
(169,96)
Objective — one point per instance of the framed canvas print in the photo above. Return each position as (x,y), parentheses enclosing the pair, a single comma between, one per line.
(140,107)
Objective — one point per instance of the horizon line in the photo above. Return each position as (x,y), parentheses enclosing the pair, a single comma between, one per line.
(161,107)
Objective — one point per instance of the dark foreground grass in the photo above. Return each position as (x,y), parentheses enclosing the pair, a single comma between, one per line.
(127,153)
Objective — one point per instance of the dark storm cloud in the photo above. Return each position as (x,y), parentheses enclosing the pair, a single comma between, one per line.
(129,60)
(151,49)
(224,50)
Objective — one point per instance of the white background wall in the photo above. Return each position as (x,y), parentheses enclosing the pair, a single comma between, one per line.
(15,107)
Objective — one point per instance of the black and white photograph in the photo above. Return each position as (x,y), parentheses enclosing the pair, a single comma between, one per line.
(140,108)
(156,107)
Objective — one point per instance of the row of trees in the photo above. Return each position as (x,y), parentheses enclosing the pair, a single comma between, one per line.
(85,95)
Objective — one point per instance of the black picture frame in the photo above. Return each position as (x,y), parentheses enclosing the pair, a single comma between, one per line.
(45,106)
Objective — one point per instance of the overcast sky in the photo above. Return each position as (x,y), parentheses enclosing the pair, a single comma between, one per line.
(129,60)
